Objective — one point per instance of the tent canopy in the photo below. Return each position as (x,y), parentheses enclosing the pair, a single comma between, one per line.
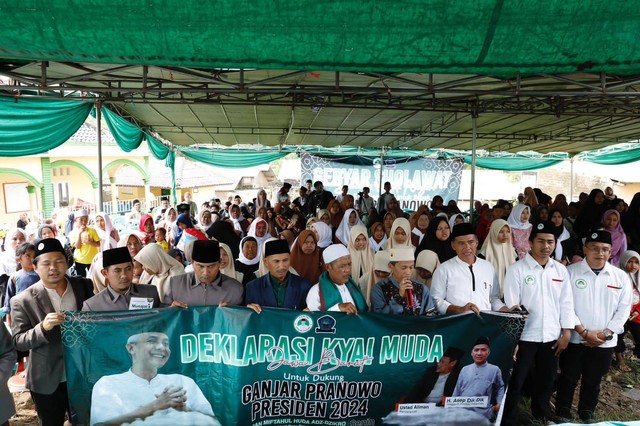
(539,76)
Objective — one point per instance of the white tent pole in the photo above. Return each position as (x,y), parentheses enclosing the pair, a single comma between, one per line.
(474,120)
(571,181)
(380,183)
(99,130)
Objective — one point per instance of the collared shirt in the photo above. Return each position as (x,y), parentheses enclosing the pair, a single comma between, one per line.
(186,288)
(385,298)
(600,301)
(313,297)
(279,288)
(66,302)
(455,282)
(111,300)
(119,394)
(481,380)
(545,293)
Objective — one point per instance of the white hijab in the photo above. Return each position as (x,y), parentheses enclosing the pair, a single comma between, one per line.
(344,229)
(361,260)
(324,234)
(106,239)
(241,256)
(163,266)
(514,217)
(252,233)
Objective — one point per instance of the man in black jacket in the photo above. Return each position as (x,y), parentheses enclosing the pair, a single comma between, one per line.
(438,381)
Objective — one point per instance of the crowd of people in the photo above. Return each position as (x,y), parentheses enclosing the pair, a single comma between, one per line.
(570,268)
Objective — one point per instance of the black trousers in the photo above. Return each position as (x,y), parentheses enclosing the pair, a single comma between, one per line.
(540,358)
(52,408)
(82,269)
(590,363)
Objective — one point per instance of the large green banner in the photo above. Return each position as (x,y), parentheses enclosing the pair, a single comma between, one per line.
(232,366)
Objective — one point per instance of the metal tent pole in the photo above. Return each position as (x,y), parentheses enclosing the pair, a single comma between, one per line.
(380,182)
(474,121)
(571,181)
(99,122)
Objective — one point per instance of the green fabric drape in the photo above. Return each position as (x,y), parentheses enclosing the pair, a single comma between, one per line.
(127,135)
(234,158)
(31,126)
(623,154)
(157,149)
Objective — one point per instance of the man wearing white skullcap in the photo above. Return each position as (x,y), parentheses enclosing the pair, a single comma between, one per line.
(336,290)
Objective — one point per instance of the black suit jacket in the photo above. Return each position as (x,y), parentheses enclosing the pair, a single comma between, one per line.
(428,380)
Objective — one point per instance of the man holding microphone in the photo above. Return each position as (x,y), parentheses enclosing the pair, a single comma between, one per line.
(398,294)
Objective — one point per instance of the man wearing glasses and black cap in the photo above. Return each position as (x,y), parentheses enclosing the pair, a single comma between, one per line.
(602,302)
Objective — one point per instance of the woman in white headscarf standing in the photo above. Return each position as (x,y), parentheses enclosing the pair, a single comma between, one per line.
(361,253)
(323,231)
(106,231)
(520,229)
(349,220)
(158,266)
(497,249)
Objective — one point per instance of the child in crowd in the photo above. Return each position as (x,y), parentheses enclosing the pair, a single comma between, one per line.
(137,272)
(161,238)
(520,226)
(630,262)
(23,278)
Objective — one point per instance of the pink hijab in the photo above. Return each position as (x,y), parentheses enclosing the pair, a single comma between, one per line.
(618,237)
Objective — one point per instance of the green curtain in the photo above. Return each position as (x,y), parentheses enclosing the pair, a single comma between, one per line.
(34,125)
(623,154)
(234,158)
(158,150)
(127,135)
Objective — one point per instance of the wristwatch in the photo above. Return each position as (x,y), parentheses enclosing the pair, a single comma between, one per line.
(608,334)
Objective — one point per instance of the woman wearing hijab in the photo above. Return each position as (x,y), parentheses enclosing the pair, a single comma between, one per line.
(223,232)
(530,198)
(336,212)
(147,230)
(324,216)
(13,238)
(258,230)
(438,239)
(400,235)
(227,266)
(498,250)
(169,223)
(204,220)
(561,253)
(378,237)
(240,224)
(183,222)
(387,222)
(591,213)
(108,234)
(426,264)
(305,256)
(68,225)
(455,219)
(630,262)
(132,242)
(419,223)
(349,220)
(379,272)
(158,267)
(323,232)
(261,200)
(520,229)
(361,253)
(248,260)
(611,223)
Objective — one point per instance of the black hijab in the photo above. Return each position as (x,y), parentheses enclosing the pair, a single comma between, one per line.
(223,232)
(430,242)
(590,215)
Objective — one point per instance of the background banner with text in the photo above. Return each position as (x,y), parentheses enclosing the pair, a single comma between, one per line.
(277,367)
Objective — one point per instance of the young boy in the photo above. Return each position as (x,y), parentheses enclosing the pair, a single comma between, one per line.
(161,238)
(86,241)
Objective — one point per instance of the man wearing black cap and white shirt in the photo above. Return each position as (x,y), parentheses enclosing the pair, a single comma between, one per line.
(602,302)
(279,288)
(438,381)
(398,294)
(205,286)
(336,290)
(466,282)
(37,313)
(121,293)
(540,285)
(282,196)
(481,379)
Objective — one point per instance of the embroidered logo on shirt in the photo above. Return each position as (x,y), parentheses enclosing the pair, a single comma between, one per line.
(580,283)
(540,226)
(530,279)
(302,323)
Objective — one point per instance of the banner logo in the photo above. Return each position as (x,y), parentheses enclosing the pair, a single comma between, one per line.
(303,323)
(326,324)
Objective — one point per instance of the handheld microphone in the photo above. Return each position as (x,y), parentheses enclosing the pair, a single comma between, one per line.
(409,295)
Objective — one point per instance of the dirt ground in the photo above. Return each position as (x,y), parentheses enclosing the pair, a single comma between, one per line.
(613,404)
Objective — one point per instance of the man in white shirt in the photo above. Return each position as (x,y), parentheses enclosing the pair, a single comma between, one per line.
(336,290)
(602,302)
(141,392)
(540,285)
(466,282)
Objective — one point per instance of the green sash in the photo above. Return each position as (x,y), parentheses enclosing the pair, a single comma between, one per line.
(330,295)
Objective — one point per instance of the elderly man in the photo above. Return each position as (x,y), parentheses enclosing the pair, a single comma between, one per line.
(141,392)
(540,285)
(37,313)
(398,294)
(481,379)
(205,285)
(336,290)
(279,288)
(466,282)
(602,302)
(121,293)
(438,381)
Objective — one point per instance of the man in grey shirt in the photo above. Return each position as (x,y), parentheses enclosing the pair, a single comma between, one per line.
(205,285)
(121,293)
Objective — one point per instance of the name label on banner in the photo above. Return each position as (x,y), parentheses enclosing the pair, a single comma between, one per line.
(140,303)
(467,401)
(415,409)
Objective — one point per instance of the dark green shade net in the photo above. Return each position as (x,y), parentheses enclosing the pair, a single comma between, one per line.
(32,126)
(492,37)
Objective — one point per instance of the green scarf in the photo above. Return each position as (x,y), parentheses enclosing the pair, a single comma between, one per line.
(330,296)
